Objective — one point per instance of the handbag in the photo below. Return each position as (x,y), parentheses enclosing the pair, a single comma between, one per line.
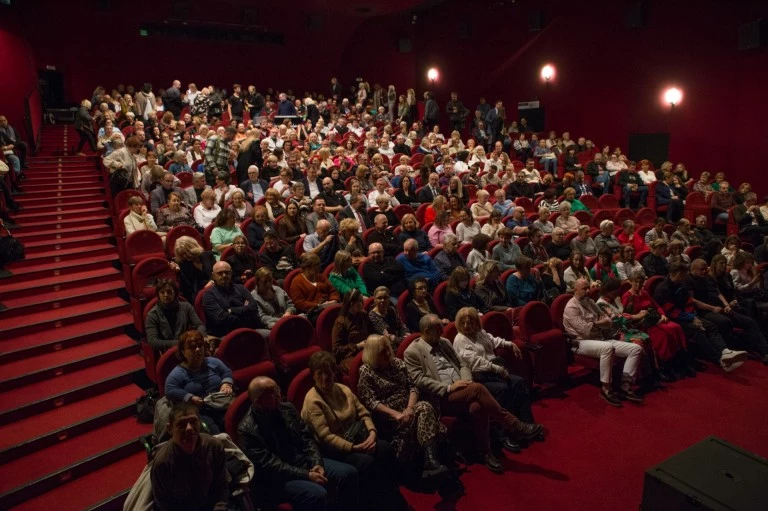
(651,319)
(356,433)
(218,400)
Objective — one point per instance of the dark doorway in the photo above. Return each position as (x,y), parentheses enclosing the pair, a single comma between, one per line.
(649,146)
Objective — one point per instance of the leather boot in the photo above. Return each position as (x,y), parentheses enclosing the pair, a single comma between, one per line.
(432,466)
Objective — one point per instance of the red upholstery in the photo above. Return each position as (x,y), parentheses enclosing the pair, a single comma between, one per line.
(601,215)
(590,202)
(185,179)
(289,278)
(146,273)
(165,365)
(291,343)
(450,332)
(557,309)
(324,326)
(439,298)
(402,301)
(403,209)
(143,244)
(646,216)
(298,247)
(421,211)
(498,324)
(245,352)
(607,201)
(176,233)
(696,204)
(235,413)
(464,249)
(354,371)
(583,216)
(199,303)
(230,251)
(299,387)
(434,251)
(121,199)
(623,215)
(694,252)
(652,282)
(406,342)
(550,363)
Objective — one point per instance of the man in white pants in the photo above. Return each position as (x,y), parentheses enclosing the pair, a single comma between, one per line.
(586,323)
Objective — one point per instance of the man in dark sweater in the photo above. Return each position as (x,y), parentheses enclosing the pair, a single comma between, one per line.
(286,456)
(381,270)
(631,182)
(229,306)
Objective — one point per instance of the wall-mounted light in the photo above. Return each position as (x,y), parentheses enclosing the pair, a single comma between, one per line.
(548,73)
(673,96)
(432,74)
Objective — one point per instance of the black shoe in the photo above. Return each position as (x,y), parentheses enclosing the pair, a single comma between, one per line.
(527,431)
(666,377)
(630,396)
(611,398)
(10,225)
(698,366)
(510,445)
(432,466)
(687,370)
(492,463)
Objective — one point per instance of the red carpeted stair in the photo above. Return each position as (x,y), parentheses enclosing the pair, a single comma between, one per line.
(68,437)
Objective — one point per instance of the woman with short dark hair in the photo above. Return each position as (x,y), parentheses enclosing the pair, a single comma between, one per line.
(170,317)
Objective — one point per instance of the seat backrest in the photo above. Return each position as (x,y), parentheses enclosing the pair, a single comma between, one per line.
(142,244)
(403,209)
(583,217)
(601,215)
(176,233)
(146,274)
(646,216)
(299,387)
(291,333)
(438,296)
(694,251)
(199,303)
(590,202)
(121,199)
(405,343)
(289,279)
(652,195)
(608,201)
(695,199)
(652,283)
(243,347)
(402,301)
(165,365)
(450,332)
(557,309)
(354,371)
(497,324)
(235,413)
(623,215)
(534,318)
(324,326)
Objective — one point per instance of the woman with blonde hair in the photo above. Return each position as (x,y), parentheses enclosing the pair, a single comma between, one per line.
(439,203)
(274,302)
(350,241)
(193,266)
(493,226)
(385,319)
(565,221)
(413,112)
(411,229)
(207,211)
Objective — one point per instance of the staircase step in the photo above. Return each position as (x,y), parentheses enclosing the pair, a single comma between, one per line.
(41,215)
(47,184)
(72,296)
(53,269)
(91,489)
(47,284)
(56,198)
(62,255)
(52,459)
(47,395)
(26,324)
(54,206)
(78,221)
(64,337)
(54,234)
(50,246)
(66,190)
(58,363)
(90,470)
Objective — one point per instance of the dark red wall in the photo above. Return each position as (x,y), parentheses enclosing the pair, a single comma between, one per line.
(18,70)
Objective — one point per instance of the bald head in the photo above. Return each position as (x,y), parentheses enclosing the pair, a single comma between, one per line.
(264,393)
(222,274)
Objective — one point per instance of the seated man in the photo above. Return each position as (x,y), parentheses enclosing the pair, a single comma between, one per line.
(384,236)
(520,188)
(334,201)
(159,196)
(675,298)
(280,259)
(322,243)
(518,223)
(229,306)
(666,196)
(319,213)
(712,306)
(381,270)
(631,182)
(286,456)
(443,378)
(194,192)
(189,471)
(752,225)
(356,210)
(557,246)
(418,264)
(254,188)
(503,205)
(11,137)
(594,336)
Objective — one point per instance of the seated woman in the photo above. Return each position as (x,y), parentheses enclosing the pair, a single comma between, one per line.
(225,232)
(583,243)
(179,163)
(170,317)
(405,193)
(243,262)
(569,195)
(604,268)
(344,277)
(477,348)
(197,376)
(655,263)
(207,211)
(677,254)
(743,287)
(174,215)
(310,290)
(385,319)
(576,270)
(628,236)
(565,221)
(420,304)
(259,227)
(440,229)
(731,248)
(455,208)
(553,279)
(345,431)
(627,263)
(458,294)
(479,253)
(411,229)
(524,285)
(482,208)
(468,227)
(351,241)
(291,226)
(493,226)
(274,204)
(535,248)
(384,207)
(542,223)
(449,258)
(240,206)
(489,288)
(274,302)
(223,188)
(703,185)
(139,219)
(410,425)
(667,337)
(606,239)
(193,266)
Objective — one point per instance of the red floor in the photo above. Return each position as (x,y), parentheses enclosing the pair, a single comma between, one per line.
(595,456)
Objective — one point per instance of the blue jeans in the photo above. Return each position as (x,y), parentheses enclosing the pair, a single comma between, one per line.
(550,165)
(309,496)
(14,162)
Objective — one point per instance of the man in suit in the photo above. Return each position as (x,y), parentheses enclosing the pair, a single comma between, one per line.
(493,122)
(159,196)
(443,378)
(356,210)
(431,190)
(666,196)
(312,184)
(319,213)
(254,188)
(752,225)
(194,192)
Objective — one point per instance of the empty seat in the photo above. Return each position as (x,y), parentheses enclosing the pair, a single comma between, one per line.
(550,363)
(291,343)
(246,353)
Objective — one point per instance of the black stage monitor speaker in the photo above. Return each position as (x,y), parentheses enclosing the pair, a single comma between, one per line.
(712,475)
(636,15)
(404,45)
(536,21)
(649,146)
(753,35)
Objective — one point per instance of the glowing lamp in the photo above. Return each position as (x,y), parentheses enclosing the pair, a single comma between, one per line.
(548,72)
(673,96)
(432,74)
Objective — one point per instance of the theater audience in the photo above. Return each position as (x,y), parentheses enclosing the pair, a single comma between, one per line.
(174,215)
(604,268)
(412,230)
(274,303)
(440,229)
(417,264)
(384,236)
(576,270)
(207,211)
(225,232)
(381,270)
(629,236)
(655,263)
(606,238)
(656,232)
(139,219)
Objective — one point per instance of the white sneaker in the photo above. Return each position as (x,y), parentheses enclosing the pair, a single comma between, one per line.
(731,367)
(730,357)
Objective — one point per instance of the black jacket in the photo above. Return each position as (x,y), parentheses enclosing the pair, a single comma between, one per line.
(278,444)
(386,273)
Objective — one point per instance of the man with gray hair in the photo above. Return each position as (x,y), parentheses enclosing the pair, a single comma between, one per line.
(254,188)
(194,192)
(159,196)
(594,336)
(229,306)
(418,264)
